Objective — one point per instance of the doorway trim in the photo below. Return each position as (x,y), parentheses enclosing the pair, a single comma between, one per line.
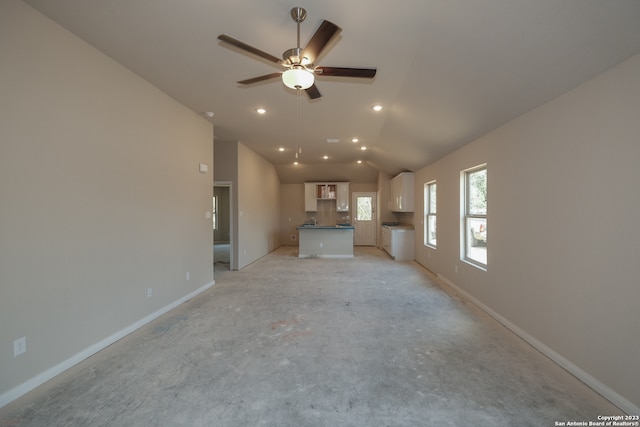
(232,257)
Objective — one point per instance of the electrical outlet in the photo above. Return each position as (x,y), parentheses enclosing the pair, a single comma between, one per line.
(321,244)
(149,292)
(188,275)
(455,268)
(19,346)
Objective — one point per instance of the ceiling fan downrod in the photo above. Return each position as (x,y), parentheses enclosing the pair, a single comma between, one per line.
(292,56)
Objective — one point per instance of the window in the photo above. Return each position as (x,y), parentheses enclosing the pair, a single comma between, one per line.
(364,208)
(215,212)
(475,216)
(430,214)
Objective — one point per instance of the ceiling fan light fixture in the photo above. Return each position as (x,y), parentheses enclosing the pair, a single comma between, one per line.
(298,78)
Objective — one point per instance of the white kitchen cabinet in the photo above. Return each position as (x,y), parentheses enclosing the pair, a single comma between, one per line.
(314,191)
(386,240)
(402,192)
(342,197)
(326,191)
(310,197)
(398,242)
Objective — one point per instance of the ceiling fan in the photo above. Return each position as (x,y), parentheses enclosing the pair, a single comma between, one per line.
(299,63)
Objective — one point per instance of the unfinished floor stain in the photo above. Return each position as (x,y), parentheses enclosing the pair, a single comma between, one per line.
(377,344)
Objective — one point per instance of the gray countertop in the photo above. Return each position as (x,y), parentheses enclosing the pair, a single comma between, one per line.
(325,227)
(399,227)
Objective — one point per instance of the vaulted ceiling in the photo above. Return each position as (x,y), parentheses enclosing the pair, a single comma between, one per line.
(449,71)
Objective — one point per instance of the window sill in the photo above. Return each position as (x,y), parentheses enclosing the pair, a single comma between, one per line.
(475,264)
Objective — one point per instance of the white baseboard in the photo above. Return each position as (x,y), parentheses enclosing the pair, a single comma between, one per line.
(45,376)
(583,376)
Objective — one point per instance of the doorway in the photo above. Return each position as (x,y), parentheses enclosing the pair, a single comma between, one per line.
(364,218)
(222,226)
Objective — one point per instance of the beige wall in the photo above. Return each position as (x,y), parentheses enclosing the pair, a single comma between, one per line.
(563,204)
(255,201)
(226,161)
(292,212)
(100,196)
(355,187)
(258,206)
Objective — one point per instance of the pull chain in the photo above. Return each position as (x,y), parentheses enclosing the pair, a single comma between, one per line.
(299,131)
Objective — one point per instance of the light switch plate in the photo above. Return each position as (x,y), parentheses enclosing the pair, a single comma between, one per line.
(203,168)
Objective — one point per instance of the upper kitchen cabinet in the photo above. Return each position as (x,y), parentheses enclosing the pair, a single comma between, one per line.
(402,192)
(342,197)
(314,191)
(326,190)
(310,197)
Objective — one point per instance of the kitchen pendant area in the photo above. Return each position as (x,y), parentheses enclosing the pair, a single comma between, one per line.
(330,218)
(327,231)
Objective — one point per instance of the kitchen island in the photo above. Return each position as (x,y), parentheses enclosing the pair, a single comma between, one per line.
(325,241)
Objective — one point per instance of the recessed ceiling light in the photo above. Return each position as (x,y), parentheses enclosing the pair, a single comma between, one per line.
(333,140)
(363,148)
(281,149)
(325,157)
(359,161)
(377,107)
(261,110)
(354,140)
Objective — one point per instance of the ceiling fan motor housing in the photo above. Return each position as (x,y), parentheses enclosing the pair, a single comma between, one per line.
(293,57)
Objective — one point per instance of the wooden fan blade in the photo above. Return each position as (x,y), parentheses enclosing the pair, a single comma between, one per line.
(313,92)
(320,39)
(367,73)
(260,78)
(255,51)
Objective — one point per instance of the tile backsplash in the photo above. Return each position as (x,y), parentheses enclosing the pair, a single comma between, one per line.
(327,214)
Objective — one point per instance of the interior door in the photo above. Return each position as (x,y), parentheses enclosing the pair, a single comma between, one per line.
(364,218)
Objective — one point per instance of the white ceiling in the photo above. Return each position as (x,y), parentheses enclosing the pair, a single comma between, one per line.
(449,71)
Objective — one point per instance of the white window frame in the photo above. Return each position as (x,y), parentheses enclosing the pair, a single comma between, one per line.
(430,214)
(466,238)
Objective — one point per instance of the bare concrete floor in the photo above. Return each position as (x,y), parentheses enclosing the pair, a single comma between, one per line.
(314,342)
